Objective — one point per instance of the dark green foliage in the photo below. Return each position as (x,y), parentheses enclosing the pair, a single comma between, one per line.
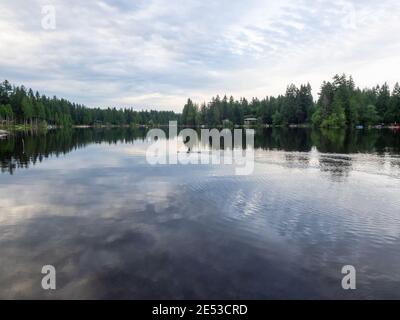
(22,106)
(393,112)
(190,114)
(293,108)
(340,104)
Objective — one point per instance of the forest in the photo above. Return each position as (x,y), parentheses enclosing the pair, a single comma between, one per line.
(19,105)
(339,104)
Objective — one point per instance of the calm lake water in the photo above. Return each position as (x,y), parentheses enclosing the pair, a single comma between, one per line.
(87,202)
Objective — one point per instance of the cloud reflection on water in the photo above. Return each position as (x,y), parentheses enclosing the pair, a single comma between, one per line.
(115,227)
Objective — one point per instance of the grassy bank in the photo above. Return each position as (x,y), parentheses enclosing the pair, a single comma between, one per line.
(21,127)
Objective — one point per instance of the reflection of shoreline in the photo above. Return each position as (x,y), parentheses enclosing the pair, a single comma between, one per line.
(21,149)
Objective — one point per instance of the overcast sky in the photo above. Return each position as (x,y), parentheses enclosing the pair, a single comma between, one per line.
(157,53)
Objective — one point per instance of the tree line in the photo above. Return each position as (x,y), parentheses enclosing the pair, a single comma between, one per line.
(19,105)
(340,104)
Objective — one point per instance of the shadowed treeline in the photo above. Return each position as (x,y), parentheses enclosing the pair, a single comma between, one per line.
(328,141)
(340,104)
(22,149)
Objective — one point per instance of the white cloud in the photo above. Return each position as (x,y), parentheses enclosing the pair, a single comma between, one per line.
(157,53)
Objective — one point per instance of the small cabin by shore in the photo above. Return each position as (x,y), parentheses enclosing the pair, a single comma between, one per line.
(3,133)
(250,121)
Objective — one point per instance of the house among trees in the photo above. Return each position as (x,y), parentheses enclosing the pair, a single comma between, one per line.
(250,121)
(3,133)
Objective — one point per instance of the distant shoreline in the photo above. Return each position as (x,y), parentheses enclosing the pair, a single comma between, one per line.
(20,127)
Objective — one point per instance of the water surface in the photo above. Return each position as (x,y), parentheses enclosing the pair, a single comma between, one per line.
(87,202)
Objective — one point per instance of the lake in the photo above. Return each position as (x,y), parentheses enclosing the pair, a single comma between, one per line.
(87,202)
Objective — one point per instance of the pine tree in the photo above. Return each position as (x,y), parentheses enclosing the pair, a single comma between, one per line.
(393,113)
(27,109)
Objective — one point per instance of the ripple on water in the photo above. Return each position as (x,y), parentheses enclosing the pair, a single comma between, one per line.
(300,206)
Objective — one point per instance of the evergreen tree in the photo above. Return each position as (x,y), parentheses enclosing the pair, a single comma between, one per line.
(27,109)
(340,103)
(383,100)
(393,113)
(189,114)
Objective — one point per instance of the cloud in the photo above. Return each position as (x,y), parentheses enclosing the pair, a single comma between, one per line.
(157,53)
